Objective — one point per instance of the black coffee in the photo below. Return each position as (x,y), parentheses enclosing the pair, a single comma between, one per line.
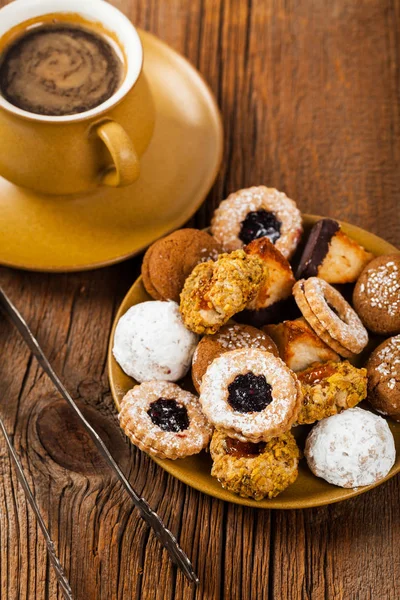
(59,69)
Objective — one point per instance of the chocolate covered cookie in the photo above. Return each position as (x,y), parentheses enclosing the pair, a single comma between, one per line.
(376,296)
(332,255)
(169,261)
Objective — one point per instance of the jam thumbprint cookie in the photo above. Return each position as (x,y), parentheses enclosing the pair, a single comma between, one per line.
(164,420)
(151,342)
(331,317)
(352,449)
(254,213)
(169,261)
(376,296)
(330,388)
(331,255)
(229,337)
(384,378)
(215,291)
(251,394)
(251,470)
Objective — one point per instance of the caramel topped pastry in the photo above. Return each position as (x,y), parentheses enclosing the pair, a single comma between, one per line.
(254,213)
(330,388)
(299,346)
(257,471)
(215,291)
(251,394)
(164,420)
(278,281)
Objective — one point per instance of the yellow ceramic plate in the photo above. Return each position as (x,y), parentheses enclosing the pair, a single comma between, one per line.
(308,490)
(177,171)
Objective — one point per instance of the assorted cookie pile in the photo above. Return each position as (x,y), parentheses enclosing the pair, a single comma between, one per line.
(269,351)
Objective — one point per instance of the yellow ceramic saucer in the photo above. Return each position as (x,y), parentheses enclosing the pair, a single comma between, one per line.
(49,233)
(308,490)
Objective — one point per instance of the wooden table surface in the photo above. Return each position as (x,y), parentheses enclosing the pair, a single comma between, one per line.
(309,92)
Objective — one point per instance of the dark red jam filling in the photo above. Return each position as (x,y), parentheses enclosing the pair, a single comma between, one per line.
(258,224)
(243,449)
(169,415)
(249,393)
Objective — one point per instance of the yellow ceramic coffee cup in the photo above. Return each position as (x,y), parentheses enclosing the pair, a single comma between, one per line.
(75,153)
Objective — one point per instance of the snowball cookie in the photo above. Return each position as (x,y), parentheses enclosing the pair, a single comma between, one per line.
(152,343)
(352,449)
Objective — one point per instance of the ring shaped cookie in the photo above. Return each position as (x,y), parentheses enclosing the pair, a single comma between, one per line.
(335,314)
(275,419)
(150,437)
(314,323)
(229,216)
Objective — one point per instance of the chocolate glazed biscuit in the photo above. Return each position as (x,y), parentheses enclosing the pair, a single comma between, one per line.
(59,70)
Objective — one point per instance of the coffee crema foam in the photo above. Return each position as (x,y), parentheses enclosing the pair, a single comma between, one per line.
(59,69)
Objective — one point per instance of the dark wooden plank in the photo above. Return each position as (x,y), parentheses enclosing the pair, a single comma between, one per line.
(310,95)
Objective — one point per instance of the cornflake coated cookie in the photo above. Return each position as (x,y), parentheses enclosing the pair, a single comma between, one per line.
(332,255)
(229,337)
(330,388)
(376,296)
(169,261)
(251,394)
(164,420)
(151,342)
(383,369)
(352,449)
(299,346)
(215,291)
(256,471)
(331,317)
(258,212)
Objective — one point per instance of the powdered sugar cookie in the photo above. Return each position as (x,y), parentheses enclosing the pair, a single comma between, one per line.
(251,394)
(164,420)
(335,314)
(301,301)
(151,342)
(254,213)
(352,449)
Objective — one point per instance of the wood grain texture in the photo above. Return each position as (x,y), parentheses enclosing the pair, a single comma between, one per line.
(309,92)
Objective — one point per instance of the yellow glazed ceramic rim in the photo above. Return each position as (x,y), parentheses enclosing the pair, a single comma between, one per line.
(195,471)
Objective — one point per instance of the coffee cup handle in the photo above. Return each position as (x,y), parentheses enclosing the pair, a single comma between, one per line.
(126,168)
